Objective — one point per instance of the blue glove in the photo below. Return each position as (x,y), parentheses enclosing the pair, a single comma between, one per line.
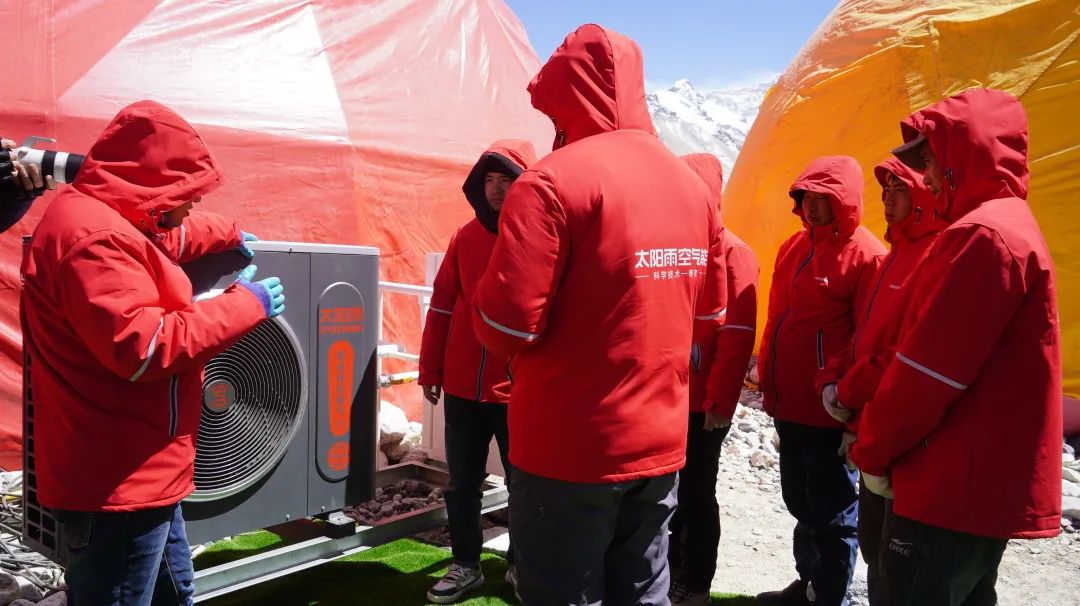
(269,291)
(244,248)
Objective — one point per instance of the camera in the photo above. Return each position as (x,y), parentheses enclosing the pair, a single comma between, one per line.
(63,166)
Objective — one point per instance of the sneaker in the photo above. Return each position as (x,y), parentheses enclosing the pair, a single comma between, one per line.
(795,594)
(457,581)
(681,595)
(512,580)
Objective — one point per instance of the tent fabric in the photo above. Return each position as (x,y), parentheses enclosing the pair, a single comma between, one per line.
(334,121)
(873,62)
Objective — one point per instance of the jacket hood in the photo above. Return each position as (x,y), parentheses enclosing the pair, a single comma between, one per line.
(926,213)
(593,83)
(708,167)
(508,156)
(841,178)
(980,140)
(148,161)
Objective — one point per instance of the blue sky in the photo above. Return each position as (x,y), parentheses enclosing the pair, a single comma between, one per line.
(714,43)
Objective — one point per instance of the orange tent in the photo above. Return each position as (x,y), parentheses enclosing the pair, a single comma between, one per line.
(334,121)
(873,62)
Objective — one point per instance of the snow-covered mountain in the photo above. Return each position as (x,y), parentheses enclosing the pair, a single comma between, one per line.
(714,121)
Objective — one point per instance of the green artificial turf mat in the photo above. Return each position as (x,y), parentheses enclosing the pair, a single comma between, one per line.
(397,573)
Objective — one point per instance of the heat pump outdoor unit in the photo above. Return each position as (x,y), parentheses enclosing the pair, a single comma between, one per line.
(288,426)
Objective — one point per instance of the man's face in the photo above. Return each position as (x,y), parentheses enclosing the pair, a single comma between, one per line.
(817,209)
(176,216)
(495,188)
(897,200)
(932,175)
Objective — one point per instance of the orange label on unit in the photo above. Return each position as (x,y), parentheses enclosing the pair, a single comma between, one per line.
(341,320)
(338,456)
(340,359)
(220,392)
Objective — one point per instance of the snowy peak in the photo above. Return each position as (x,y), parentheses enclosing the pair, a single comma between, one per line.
(713,121)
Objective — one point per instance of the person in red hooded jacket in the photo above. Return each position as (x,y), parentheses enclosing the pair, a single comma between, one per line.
(849,380)
(966,422)
(823,274)
(610,254)
(472,380)
(116,349)
(717,366)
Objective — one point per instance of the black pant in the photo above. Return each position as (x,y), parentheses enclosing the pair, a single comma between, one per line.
(592,544)
(470,426)
(875,519)
(819,491)
(931,566)
(695,527)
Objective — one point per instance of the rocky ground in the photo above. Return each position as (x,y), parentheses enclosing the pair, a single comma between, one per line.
(755,551)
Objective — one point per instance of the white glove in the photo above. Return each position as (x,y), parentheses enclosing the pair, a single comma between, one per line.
(878,485)
(832,404)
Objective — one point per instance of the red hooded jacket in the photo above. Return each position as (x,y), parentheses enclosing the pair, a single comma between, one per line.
(822,275)
(115,342)
(450,354)
(967,419)
(857,372)
(608,249)
(718,365)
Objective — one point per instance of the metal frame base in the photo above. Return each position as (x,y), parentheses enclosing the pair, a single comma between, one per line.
(316,548)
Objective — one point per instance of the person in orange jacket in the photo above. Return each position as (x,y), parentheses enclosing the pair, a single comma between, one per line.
(609,257)
(717,366)
(823,274)
(473,381)
(849,380)
(966,422)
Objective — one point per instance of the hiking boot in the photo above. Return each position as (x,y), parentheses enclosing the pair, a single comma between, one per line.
(512,580)
(457,581)
(681,595)
(792,595)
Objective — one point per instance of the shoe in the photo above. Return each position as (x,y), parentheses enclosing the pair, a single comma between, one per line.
(512,580)
(795,594)
(457,581)
(680,595)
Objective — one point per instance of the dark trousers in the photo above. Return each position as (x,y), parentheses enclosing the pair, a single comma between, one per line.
(875,518)
(140,558)
(930,566)
(470,425)
(695,527)
(587,544)
(819,491)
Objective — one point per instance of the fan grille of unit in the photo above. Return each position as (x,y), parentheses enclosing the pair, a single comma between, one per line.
(240,443)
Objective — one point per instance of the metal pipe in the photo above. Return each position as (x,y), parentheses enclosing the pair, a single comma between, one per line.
(406,289)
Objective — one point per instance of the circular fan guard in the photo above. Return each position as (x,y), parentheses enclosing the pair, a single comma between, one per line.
(255,397)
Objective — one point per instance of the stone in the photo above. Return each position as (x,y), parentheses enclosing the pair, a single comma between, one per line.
(9,588)
(1070,475)
(1070,489)
(397,452)
(415,455)
(392,424)
(761,459)
(414,434)
(1070,506)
